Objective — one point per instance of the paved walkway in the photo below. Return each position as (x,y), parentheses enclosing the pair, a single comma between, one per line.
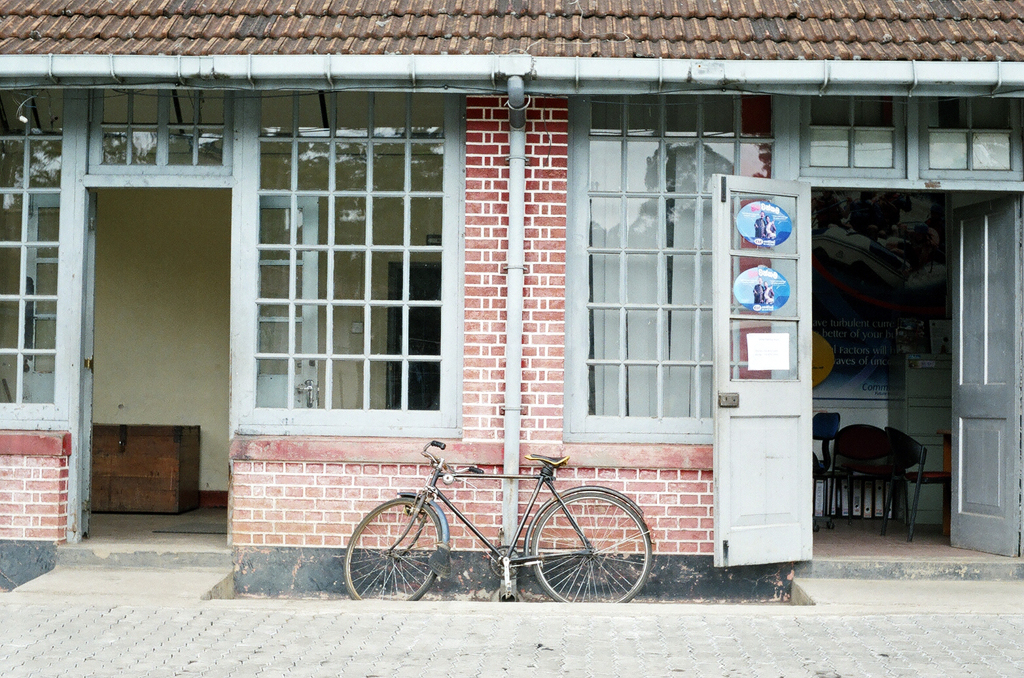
(343,638)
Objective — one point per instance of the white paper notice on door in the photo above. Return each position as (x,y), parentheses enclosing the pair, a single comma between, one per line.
(768,351)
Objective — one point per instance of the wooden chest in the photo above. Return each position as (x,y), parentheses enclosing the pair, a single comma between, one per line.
(145,469)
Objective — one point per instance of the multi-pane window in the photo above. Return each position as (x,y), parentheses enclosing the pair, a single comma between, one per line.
(850,132)
(971,134)
(30,169)
(177,127)
(350,251)
(648,249)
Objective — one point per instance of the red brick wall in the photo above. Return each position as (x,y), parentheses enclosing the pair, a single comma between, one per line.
(34,485)
(321,490)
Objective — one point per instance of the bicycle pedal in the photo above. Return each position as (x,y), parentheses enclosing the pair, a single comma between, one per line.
(440,561)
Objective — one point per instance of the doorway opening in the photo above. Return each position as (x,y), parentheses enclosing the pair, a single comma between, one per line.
(161,367)
(884,285)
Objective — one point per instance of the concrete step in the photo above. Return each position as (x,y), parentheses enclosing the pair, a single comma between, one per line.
(864,596)
(126,586)
(129,555)
(949,569)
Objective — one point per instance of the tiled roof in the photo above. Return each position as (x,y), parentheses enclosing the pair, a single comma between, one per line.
(699,29)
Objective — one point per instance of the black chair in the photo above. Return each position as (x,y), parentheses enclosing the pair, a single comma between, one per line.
(862,452)
(825,425)
(907,453)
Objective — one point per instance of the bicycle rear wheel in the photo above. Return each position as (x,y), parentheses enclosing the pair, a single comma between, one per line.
(612,568)
(388,553)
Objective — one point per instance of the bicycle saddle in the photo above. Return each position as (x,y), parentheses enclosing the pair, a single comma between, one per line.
(553,462)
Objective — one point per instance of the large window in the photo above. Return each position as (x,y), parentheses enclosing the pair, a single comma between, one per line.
(971,135)
(640,353)
(30,171)
(351,251)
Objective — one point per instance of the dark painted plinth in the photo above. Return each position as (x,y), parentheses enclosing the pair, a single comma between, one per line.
(304,572)
(22,561)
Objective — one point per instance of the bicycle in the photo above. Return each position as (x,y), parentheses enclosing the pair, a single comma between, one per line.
(588,543)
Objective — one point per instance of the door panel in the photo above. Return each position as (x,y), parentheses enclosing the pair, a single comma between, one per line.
(762,301)
(986,511)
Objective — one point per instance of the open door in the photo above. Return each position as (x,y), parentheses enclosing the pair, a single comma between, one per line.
(986,505)
(81,512)
(762,321)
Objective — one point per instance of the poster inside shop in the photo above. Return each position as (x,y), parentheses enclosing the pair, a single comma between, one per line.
(764,224)
(880,288)
(761,289)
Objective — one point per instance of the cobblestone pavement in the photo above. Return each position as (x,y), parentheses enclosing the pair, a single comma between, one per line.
(331,638)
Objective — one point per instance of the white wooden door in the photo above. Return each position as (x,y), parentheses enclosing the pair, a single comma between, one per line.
(762,321)
(83,465)
(986,505)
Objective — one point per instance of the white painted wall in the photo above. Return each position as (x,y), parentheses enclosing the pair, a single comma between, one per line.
(162,314)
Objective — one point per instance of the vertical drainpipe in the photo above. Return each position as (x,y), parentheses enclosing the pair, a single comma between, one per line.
(514,303)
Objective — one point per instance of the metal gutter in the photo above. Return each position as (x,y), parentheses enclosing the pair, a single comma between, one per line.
(489,73)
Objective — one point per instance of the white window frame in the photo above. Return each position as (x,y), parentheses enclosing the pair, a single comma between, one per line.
(580,426)
(1014,173)
(899,149)
(247,418)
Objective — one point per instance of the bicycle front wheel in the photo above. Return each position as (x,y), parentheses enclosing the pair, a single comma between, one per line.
(611,565)
(388,553)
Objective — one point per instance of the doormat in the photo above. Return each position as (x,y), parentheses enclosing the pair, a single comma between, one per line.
(193,528)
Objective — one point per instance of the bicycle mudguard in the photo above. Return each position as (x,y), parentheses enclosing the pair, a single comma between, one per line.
(440,561)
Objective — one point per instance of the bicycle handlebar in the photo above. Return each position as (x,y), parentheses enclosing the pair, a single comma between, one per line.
(434,459)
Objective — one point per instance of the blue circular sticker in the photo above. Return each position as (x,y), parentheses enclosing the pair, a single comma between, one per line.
(761,289)
(764,223)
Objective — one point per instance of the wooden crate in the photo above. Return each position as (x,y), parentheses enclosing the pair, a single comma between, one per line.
(145,469)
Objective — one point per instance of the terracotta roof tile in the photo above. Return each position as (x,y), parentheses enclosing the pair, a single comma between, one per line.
(728,29)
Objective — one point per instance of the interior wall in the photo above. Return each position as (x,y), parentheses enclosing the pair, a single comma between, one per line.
(162,315)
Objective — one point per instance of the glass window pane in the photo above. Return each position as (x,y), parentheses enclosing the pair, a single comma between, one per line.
(389,114)
(353,112)
(425,331)
(38,380)
(10,270)
(348,331)
(948,113)
(350,214)
(682,279)
(310,275)
(10,217)
(642,166)
(642,278)
(386,385)
(604,390)
(115,107)
(679,391)
(12,163)
(179,145)
(386,336)
(605,222)
(349,275)
(387,276)
(9,324)
(426,217)
(44,163)
(274,226)
(388,167)
(830,111)
(427,115)
(756,115)
(641,391)
(211,149)
(8,375)
(991,151)
(115,148)
(388,221)
(643,223)
(604,279)
(275,165)
(680,328)
(606,116)
(426,172)
(276,114)
(46,225)
(947,150)
(273,329)
(424,386)
(990,113)
(830,147)
(872,148)
(718,115)
(706,335)
(311,226)
(643,114)
(681,115)
(350,167)
(425,276)
(763,350)
(681,167)
(681,223)
(606,165)
(604,334)
(718,159)
(641,335)
(756,160)
(310,329)
(274,269)
(347,389)
(144,148)
(44,277)
(314,115)
(309,384)
(144,107)
(872,112)
(314,159)
(271,383)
